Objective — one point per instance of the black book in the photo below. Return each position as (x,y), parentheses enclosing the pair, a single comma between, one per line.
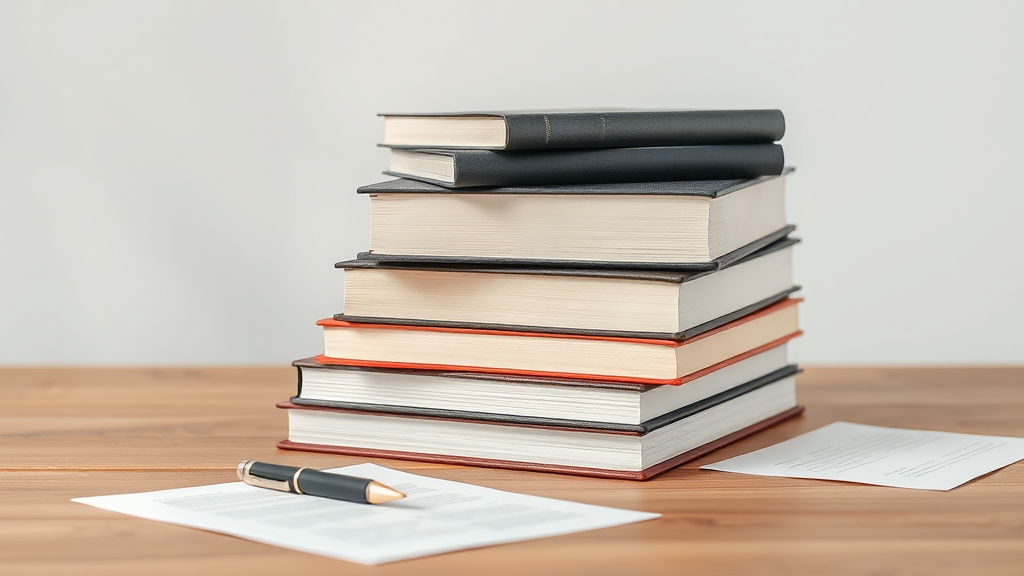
(474,168)
(533,130)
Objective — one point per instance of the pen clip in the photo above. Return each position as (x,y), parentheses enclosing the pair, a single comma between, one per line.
(279,485)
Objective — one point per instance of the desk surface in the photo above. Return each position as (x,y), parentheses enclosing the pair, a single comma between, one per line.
(83,432)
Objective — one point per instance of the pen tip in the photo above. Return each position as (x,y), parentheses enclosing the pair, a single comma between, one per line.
(377,493)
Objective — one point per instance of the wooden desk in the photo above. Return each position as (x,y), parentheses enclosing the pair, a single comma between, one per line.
(83,432)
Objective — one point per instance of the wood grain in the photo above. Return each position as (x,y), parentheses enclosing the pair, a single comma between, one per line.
(66,433)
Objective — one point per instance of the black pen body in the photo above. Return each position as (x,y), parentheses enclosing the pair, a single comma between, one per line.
(304,481)
(336,486)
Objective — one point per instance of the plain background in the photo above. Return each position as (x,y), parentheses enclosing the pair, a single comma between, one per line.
(177,178)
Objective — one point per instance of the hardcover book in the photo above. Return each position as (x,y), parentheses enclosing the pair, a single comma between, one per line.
(641,360)
(582,129)
(475,168)
(519,398)
(612,302)
(622,452)
(664,225)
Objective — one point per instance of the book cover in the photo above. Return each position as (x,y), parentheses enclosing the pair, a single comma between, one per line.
(705,188)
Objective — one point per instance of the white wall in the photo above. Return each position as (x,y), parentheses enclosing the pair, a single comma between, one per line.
(177,178)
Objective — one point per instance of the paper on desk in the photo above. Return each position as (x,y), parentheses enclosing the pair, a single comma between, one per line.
(436,516)
(884,456)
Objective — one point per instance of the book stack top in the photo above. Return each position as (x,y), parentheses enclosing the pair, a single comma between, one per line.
(574,147)
(605,293)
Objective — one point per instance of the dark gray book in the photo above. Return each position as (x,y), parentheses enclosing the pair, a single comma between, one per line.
(531,130)
(474,168)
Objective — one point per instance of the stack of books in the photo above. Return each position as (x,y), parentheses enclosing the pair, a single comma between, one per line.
(593,293)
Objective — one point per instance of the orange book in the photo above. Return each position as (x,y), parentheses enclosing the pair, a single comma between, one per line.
(579,355)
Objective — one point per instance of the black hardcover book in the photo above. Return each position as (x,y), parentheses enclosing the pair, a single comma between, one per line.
(533,130)
(474,168)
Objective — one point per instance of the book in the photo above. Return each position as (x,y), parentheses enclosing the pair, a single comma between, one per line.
(665,225)
(582,129)
(642,360)
(520,399)
(476,168)
(612,302)
(645,474)
(620,453)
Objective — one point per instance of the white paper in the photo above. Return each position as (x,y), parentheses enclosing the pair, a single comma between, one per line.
(849,452)
(436,516)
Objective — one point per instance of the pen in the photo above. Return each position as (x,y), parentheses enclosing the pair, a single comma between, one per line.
(315,483)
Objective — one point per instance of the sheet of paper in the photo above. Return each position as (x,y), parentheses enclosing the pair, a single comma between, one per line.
(436,516)
(884,456)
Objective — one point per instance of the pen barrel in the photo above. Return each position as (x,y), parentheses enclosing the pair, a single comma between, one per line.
(317,483)
(274,472)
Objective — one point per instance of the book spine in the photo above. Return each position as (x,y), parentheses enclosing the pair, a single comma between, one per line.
(629,129)
(608,165)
